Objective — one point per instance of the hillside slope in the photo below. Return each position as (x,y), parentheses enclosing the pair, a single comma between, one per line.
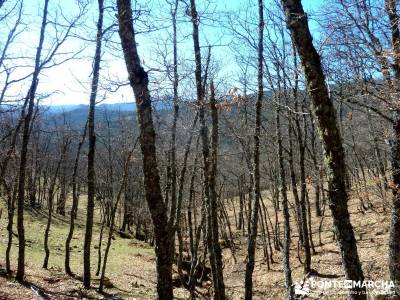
(131,266)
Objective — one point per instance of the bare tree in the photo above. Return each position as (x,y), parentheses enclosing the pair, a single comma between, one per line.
(394,240)
(251,246)
(209,188)
(114,209)
(139,82)
(91,180)
(286,216)
(24,147)
(332,142)
(74,208)
(50,202)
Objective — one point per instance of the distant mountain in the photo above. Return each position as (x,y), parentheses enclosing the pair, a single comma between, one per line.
(130,106)
(56,109)
(76,114)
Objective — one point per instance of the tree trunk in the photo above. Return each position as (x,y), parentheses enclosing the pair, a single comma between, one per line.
(74,208)
(293,181)
(213,194)
(303,191)
(394,235)
(63,187)
(10,208)
(110,232)
(139,82)
(286,242)
(325,114)
(91,179)
(252,240)
(208,169)
(50,202)
(24,150)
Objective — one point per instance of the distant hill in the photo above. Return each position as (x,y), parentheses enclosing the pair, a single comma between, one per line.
(130,106)
(76,114)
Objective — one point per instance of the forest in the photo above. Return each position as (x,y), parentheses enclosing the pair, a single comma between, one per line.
(199,149)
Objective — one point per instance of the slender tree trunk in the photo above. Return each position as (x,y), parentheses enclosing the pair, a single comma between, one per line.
(251,243)
(310,233)
(63,182)
(213,193)
(331,139)
(293,181)
(286,242)
(193,231)
(303,191)
(172,151)
(63,188)
(382,182)
(103,223)
(50,202)
(266,219)
(139,82)
(74,208)
(264,239)
(318,185)
(11,196)
(394,234)
(209,182)
(91,176)
(112,223)
(24,149)
(175,209)
(241,204)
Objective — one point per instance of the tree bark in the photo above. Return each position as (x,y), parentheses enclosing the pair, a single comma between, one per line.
(91,176)
(303,206)
(112,223)
(209,187)
(329,132)
(394,234)
(286,242)
(74,208)
(139,82)
(213,193)
(50,202)
(293,181)
(24,149)
(11,196)
(251,243)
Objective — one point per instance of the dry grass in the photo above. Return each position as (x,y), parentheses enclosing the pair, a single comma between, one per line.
(131,266)
(371,230)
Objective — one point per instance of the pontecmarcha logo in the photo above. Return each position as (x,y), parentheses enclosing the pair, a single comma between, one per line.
(301,288)
(310,286)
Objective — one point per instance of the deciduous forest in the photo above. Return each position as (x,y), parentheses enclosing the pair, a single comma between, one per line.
(200,149)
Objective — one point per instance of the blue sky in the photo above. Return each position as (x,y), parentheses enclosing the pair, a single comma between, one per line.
(70,81)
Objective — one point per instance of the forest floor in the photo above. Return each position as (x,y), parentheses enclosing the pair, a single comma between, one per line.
(371,230)
(131,264)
